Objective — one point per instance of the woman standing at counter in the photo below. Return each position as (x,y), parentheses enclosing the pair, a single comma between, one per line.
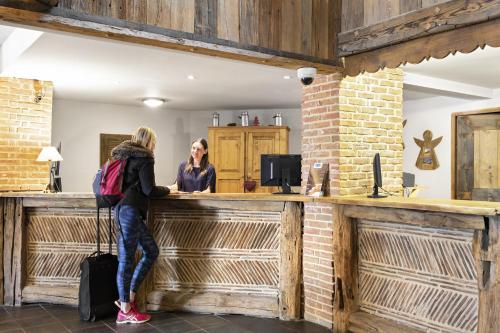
(196,174)
(139,182)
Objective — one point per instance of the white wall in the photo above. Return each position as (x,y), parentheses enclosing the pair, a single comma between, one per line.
(78,124)
(434,114)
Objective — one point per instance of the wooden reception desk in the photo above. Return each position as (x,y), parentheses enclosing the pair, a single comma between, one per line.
(405,265)
(219,253)
(416,265)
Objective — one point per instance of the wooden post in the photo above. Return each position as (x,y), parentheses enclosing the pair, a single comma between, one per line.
(14,251)
(290,261)
(2,200)
(19,254)
(345,254)
(486,249)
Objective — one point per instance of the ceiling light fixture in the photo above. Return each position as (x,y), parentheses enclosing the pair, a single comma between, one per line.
(153,102)
(191,77)
(286,77)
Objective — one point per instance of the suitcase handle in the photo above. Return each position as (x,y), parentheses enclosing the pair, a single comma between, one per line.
(99,233)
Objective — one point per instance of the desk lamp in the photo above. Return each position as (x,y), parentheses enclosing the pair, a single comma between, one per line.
(50,154)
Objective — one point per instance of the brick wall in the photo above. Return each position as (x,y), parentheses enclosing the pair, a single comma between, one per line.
(345,122)
(371,111)
(25,127)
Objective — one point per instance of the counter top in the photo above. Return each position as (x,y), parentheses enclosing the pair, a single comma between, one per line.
(434,205)
(485,208)
(197,196)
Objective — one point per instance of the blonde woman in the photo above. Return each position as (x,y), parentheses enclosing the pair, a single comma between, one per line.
(138,187)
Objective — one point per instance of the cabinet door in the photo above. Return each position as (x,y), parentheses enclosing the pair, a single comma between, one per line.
(228,146)
(262,141)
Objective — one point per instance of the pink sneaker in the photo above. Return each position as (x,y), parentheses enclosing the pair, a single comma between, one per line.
(132,317)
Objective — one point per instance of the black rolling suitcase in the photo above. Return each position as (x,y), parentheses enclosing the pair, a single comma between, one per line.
(98,290)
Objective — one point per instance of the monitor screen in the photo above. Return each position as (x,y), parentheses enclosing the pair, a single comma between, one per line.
(280,170)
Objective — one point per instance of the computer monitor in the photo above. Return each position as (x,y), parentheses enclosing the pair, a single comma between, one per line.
(280,170)
(377,177)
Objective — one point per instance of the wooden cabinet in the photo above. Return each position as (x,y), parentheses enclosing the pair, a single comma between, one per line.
(235,153)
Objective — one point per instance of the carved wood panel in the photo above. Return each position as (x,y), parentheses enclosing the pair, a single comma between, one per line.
(423,277)
(217,250)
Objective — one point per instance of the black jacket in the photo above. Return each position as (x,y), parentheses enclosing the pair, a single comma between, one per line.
(139,177)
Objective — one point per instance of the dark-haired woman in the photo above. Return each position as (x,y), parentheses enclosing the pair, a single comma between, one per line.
(196,174)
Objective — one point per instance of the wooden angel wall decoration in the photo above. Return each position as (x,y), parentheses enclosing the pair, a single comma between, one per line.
(427,159)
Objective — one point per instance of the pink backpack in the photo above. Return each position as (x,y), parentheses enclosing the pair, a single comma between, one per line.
(108,183)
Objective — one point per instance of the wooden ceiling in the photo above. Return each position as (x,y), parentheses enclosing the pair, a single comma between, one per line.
(353,36)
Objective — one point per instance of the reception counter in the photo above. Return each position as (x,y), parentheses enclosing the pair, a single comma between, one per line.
(406,265)
(218,253)
(416,265)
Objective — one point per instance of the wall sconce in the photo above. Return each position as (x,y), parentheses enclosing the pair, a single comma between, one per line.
(39,92)
(50,154)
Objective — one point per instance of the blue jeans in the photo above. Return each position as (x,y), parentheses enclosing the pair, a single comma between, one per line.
(135,233)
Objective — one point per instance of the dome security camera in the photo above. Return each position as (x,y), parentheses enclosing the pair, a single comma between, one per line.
(306,75)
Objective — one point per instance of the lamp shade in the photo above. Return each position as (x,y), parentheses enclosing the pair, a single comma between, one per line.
(49,154)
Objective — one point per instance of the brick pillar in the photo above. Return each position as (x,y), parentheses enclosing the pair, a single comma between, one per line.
(345,122)
(25,127)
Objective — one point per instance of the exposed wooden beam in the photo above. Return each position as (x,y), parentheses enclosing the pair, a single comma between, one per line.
(439,18)
(106,27)
(465,40)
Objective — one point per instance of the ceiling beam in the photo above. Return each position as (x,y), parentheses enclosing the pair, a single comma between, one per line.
(417,80)
(82,23)
(438,46)
(427,21)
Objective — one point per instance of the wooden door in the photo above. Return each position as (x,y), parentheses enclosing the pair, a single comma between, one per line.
(108,142)
(486,164)
(228,146)
(263,141)
(477,165)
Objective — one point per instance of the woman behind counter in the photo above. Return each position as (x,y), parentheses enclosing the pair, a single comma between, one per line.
(196,174)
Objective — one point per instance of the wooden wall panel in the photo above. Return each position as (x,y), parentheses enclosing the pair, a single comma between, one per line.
(353,14)
(270,23)
(249,22)
(408,6)
(379,10)
(205,18)
(228,20)
(428,3)
(310,23)
(283,33)
(362,13)
(291,25)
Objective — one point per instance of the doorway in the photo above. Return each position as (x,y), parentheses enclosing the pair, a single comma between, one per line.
(476,158)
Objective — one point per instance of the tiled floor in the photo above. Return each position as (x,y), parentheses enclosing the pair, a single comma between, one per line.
(56,318)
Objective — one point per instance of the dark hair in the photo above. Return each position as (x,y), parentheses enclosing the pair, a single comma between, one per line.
(204,160)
